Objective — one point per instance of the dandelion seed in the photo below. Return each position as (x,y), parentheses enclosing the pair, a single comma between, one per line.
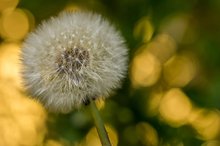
(72,58)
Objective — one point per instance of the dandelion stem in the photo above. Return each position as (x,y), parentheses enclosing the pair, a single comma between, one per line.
(99,124)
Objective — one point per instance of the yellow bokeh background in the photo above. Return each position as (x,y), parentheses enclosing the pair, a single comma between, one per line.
(159,65)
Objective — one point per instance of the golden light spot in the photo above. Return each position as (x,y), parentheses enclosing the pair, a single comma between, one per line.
(147,134)
(163,47)
(14,25)
(153,102)
(31,18)
(145,69)
(9,130)
(53,143)
(22,120)
(206,123)
(175,107)
(144,29)
(9,63)
(8,4)
(92,138)
(179,70)
(100,103)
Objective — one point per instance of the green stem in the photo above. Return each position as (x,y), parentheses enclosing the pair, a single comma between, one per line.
(99,124)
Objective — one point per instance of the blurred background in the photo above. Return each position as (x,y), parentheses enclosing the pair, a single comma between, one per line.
(171,96)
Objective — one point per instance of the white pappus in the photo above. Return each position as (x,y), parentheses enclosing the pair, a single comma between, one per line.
(71,58)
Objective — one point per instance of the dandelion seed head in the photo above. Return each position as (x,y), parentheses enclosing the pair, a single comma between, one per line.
(71,58)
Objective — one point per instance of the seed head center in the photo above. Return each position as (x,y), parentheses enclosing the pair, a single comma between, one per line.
(72,60)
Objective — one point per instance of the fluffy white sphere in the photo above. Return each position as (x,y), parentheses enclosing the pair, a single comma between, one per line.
(71,58)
